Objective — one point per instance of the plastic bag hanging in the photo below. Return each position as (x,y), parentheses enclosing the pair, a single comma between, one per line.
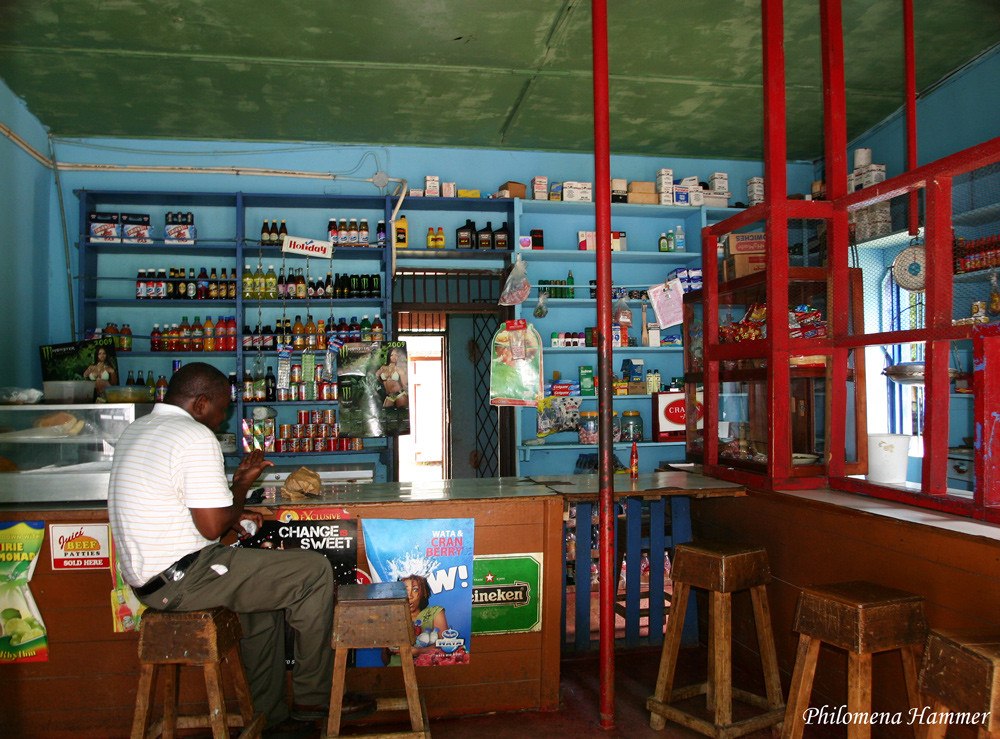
(517,287)
(622,314)
(516,365)
(542,308)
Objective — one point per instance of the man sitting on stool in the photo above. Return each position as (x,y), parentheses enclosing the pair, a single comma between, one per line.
(170,502)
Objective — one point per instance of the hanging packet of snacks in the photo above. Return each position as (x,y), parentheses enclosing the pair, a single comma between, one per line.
(542,308)
(284,366)
(558,414)
(516,365)
(622,314)
(309,374)
(517,288)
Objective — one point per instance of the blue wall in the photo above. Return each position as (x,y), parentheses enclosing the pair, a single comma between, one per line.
(964,110)
(31,254)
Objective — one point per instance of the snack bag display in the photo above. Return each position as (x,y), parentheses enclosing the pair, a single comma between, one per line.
(516,365)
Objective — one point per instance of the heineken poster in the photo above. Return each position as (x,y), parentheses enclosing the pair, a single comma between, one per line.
(507,593)
(433,559)
(373,389)
(23,637)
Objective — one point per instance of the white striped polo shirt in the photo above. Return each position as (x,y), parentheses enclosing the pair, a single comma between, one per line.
(165,463)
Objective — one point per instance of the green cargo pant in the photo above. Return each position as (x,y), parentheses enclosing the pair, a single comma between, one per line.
(266,588)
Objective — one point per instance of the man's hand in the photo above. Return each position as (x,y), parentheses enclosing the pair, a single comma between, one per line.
(249,470)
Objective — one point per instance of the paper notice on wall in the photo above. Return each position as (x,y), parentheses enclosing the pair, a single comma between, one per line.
(668,303)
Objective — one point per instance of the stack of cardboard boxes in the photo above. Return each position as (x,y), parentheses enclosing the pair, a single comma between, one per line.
(875,220)
(744,255)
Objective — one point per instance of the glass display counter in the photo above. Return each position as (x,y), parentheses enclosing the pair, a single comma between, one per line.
(60,453)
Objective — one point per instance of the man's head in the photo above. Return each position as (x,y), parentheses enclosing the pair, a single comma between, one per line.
(201,390)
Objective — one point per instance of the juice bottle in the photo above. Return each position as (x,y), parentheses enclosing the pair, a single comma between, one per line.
(248,291)
(125,339)
(156,339)
(352,232)
(401,233)
(150,382)
(208,328)
(184,335)
(354,329)
(363,233)
(161,389)
(173,338)
(343,331)
(271,283)
(280,284)
(310,332)
(298,340)
(321,335)
(259,283)
(331,231)
(230,337)
(378,330)
(366,329)
(197,335)
(342,232)
(112,330)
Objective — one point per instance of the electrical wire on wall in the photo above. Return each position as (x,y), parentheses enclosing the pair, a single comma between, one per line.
(65,235)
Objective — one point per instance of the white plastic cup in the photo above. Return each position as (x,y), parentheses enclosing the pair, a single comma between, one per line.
(888,455)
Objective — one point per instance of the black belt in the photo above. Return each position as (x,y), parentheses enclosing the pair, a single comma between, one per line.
(172,574)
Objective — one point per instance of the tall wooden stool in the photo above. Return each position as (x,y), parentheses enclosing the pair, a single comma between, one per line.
(961,674)
(369,616)
(205,638)
(863,618)
(722,568)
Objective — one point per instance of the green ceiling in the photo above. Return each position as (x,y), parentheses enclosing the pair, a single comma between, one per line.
(685,76)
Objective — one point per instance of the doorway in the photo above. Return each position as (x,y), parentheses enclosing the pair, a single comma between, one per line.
(422,452)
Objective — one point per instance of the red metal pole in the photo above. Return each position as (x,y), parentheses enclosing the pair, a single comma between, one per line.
(606,518)
(910,63)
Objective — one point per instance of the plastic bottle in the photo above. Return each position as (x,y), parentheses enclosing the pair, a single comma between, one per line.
(501,237)
(401,233)
(184,335)
(208,329)
(431,238)
(671,241)
(679,243)
(298,329)
(465,235)
(259,283)
(439,238)
(663,243)
(320,334)
(378,330)
(174,338)
(125,339)
(201,285)
(343,331)
(197,335)
(634,461)
(570,291)
(248,283)
(156,339)
(366,329)
(310,332)
(484,237)
(270,284)
(354,329)
(161,388)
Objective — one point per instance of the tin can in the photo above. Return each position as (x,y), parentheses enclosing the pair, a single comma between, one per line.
(303,395)
(292,446)
(284,394)
(298,431)
(279,446)
(315,416)
(285,431)
(303,416)
(309,445)
(177,364)
(296,375)
(343,445)
(329,416)
(335,429)
(322,431)
(333,391)
(310,431)
(358,444)
(318,373)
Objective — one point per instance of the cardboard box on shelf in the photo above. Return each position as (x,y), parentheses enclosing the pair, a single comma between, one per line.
(696,197)
(664,180)
(448,189)
(641,186)
(637,388)
(681,196)
(540,188)
(633,369)
(516,189)
(105,228)
(717,198)
(690,181)
(470,194)
(718,181)
(644,198)
(666,196)
(556,191)
(418,193)
(745,243)
(586,240)
(578,192)
(740,265)
(618,242)
(871,174)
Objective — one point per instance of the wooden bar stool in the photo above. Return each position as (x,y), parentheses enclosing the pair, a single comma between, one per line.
(369,616)
(205,638)
(863,618)
(961,674)
(722,568)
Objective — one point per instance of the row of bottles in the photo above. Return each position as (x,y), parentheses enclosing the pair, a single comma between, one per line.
(313,335)
(195,337)
(559,288)
(260,285)
(123,336)
(466,237)
(273,234)
(354,232)
(672,242)
(161,284)
(159,386)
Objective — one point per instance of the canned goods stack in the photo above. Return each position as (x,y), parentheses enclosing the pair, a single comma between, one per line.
(316,431)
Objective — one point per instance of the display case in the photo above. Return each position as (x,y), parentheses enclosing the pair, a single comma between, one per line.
(60,453)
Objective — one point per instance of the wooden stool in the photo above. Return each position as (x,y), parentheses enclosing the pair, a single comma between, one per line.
(863,618)
(961,673)
(721,568)
(206,638)
(369,616)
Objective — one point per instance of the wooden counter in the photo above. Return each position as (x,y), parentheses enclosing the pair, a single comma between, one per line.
(87,688)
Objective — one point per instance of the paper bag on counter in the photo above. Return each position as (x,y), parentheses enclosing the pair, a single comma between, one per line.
(301,483)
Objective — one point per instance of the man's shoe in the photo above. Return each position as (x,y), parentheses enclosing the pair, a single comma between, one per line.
(357,705)
(291,729)
(309,713)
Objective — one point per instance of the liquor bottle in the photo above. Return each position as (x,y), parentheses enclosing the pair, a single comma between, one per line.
(265,234)
(280,285)
(270,386)
(213,285)
(328,286)
(131,378)
(282,232)
(202,284)
(233,388)
(259,283)
(192,285)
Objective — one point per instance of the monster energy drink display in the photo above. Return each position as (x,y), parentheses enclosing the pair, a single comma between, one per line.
(373,389)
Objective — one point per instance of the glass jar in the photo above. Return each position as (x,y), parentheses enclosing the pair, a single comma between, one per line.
(588,427)
(616,427)
(631,426)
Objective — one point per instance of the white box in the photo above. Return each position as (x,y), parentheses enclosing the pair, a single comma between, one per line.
(696,197)
(871,174)
(717,198)
(691,181)
(431,181)
(664,181)
(586,240)
(577,192)
(681,196)
(667,196)
(416,193)
(718,181)
(539,188)
(619,183)
(448,189)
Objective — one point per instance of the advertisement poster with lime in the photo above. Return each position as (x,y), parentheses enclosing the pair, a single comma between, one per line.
(23,633)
